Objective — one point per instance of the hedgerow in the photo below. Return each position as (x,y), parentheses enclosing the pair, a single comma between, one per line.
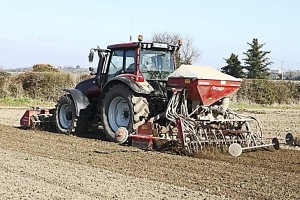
(48,86)
(37,85)
(269,92)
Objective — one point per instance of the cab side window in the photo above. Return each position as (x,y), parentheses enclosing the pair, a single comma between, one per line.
(130,61)
(116,64)
(122,61)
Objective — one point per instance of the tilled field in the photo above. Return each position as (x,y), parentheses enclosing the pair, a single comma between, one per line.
(36,164)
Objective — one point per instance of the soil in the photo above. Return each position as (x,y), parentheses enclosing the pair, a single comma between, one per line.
(43,165)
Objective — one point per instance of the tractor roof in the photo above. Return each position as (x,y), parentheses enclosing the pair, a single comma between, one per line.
(144,45)
(123,45)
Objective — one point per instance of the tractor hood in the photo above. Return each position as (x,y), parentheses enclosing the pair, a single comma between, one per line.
(201,73)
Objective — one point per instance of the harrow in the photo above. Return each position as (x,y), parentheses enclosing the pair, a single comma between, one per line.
(38,118)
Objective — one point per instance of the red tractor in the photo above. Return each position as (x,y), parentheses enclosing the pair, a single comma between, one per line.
(130,85)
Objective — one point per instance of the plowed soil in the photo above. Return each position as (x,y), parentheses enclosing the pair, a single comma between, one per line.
(43,165)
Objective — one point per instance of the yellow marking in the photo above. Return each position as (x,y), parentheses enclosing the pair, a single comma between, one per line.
(187,80)
(144,127)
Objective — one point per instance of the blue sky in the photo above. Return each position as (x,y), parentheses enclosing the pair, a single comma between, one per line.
(61,32)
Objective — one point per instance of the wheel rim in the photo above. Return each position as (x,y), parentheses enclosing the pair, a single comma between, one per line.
(118,113)
(65,116)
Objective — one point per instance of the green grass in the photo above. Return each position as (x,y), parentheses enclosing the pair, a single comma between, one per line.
(8,101)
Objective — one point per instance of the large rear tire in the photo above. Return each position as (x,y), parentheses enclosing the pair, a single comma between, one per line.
(65,117)
(121,107)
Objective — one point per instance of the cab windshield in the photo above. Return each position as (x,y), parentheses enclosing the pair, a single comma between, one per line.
(156,64)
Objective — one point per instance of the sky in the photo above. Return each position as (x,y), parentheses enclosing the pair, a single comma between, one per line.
(61,32)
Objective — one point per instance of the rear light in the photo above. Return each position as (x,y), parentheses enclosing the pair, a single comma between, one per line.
(139,77)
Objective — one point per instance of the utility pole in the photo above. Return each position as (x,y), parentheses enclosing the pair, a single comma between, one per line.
(281,70)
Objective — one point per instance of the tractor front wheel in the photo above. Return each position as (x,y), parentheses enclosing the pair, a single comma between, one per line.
(122,107)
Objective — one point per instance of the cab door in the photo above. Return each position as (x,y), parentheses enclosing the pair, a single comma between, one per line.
(122,61)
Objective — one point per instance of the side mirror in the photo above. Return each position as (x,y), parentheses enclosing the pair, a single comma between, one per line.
(91,56)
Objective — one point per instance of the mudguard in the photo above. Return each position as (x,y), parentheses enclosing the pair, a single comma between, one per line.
(81,102)
(138,87)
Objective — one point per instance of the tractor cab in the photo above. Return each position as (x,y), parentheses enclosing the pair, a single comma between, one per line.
(152,61)
(138,60)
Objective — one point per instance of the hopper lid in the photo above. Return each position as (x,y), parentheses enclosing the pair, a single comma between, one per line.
(201,72)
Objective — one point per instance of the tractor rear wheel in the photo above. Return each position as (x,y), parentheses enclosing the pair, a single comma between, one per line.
(122,107)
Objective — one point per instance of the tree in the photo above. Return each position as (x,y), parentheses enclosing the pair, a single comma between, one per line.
(256,61)
(187,53)
(233,67)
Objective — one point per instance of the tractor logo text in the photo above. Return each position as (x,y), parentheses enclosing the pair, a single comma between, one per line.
(217,88)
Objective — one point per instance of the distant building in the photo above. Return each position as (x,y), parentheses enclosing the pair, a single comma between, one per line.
(275,74)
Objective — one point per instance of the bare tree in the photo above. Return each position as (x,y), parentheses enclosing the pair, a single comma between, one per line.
(166,37)
(187,53)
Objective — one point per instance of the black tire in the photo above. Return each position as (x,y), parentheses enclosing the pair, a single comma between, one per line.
(65,117)
(134,109)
